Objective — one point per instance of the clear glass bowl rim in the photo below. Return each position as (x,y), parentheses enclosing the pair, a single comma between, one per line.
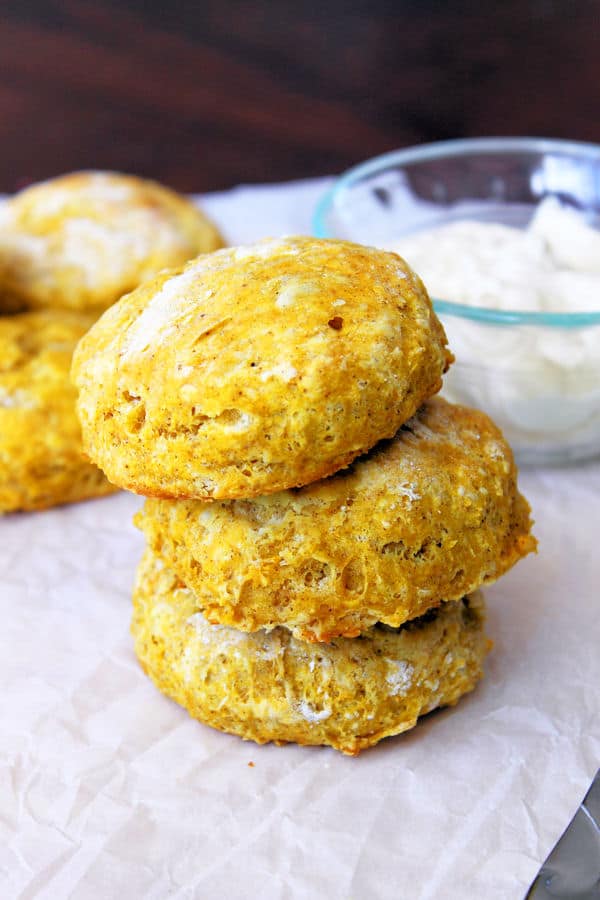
(457,148)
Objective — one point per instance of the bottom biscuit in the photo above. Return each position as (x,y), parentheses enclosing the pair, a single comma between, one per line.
(269,686)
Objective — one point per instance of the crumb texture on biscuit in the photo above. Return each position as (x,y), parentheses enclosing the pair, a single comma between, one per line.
(428,516)
(268,686)
(255,369)
(82,240)
(41,457)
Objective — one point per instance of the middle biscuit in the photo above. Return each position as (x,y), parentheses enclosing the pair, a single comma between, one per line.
(428,516)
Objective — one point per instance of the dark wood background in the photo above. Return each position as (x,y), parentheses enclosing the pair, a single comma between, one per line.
(207,95)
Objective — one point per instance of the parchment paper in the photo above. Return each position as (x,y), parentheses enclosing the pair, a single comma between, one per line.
(108,790)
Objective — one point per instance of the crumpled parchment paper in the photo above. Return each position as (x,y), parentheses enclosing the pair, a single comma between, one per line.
(109,790)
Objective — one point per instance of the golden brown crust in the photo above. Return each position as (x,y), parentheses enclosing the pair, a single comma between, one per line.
(429,516)
(257,368)
(348,694)
(41,460)
(83,240)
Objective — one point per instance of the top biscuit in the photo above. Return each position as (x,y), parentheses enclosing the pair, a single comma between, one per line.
(255,369)
(83,240)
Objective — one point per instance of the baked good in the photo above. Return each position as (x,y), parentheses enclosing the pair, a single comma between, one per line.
(257,368)
(82,240)
(429,516)
(41,460)
(268,686)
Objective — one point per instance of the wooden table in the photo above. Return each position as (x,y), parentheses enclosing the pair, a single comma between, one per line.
(204,95)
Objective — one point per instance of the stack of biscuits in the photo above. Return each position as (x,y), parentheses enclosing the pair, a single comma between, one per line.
(68,249)
(318,523)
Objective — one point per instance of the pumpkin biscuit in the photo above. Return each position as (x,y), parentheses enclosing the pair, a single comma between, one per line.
(41,460)
(428,516)
(82,240)
(268,686)
(257,368)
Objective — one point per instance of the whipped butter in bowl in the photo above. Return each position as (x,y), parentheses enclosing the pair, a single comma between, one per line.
(505,234)
(537,375)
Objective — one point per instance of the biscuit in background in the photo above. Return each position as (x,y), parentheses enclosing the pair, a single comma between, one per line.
(41,458)
(82,240)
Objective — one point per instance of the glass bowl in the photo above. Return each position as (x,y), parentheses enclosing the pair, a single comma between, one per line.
(536,373)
